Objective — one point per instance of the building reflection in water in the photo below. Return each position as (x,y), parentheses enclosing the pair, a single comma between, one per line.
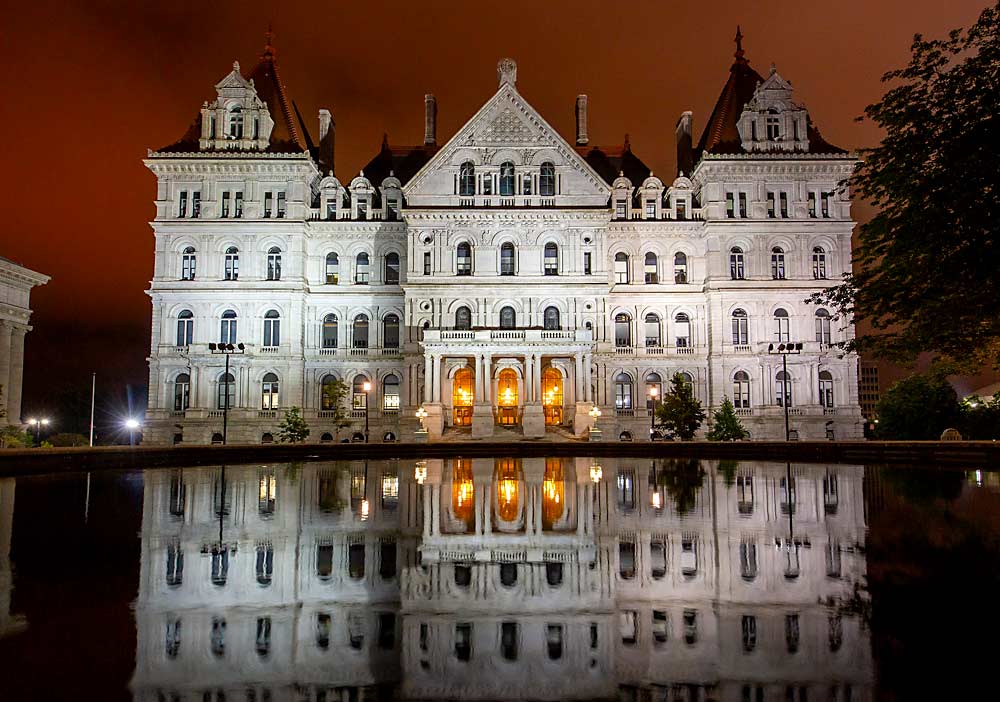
(503,579)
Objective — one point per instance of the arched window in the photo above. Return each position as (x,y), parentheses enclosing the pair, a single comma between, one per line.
(551,259)
(327,395)
(189,262)
(778,263)
(737,264)
(272,329)
(781,326)
(361,269)
(819,263)
(741,389)
(463,259)
(467,179)
(682,330)
(227,331)
(391,268)
(267,438)
(773,125)
(621,267)
(741,336)
(651,269)
(361,332)
(269,391)
(507,259)
(360,392)
(547,180)
(508,318)
(687,380)
(551,318)
(623,392)
(330,331)
(825,389)
(274,263)
(463,318)
(823,327)
(332,268)
(390,331)
(227,391)
(462,397)
(236,122)
(390,392)
(182,392)
(654,390)
(185,328)
(507,178)
(652,330)
(680,268)
(783,389)
(623,330)
(232,263)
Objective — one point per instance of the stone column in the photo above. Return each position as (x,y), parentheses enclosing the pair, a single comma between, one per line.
(12,392)
(579,392)
(435,510)
(487,379)
(528,376)
(478,372)
(428,499)
(5,359)
(478,508)
(488,508)
(427,377)
(537,381)
(436,378)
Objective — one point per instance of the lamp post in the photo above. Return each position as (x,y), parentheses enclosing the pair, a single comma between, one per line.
(653,394)
(37,424)
(785,350)
(226,350)
(131,425)
(421,414)
(367,387)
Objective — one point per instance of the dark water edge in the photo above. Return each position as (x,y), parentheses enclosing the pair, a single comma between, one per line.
(922,605)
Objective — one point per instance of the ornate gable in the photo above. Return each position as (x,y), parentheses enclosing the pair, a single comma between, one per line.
(771,121)
(507,130)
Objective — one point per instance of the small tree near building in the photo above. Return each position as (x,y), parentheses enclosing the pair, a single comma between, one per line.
(293,428)
(680,414)
(918,408)
(726,426)
(335,395)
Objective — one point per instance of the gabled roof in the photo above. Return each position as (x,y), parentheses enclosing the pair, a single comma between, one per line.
(612,161)
(402,161)
(289,134)
(721,135)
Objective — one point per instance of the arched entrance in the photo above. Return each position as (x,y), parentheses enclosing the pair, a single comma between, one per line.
(508,512)
(507,414)
(552,396)
(553,493)
(461,397)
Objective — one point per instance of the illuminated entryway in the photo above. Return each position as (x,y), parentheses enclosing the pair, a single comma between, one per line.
(463,499)
(552,396)
(508,512)
(461,397)
(553,493)
(507,397)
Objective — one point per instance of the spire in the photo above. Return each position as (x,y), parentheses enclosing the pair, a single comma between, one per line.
(628,143)
(740,53)
(385,141)
(269,51)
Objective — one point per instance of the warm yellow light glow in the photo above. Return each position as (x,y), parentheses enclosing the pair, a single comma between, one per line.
(367,386)
(553,493)
(654,391)
(657,500)
(420,472)
(268,487)
(463,495)
(596,473)
(508,486)
(365,507)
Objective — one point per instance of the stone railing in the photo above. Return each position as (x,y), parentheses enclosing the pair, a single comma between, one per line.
(545,336)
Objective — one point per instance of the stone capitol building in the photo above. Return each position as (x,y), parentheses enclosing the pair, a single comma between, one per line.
(507,280)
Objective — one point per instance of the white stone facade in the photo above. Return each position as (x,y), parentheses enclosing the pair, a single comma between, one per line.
(502,579)
(16,283)
(505,281)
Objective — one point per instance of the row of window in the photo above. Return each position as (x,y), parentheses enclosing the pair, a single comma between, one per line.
(228,326)
(231,204)
(231,266)
(740,323)
(777,205)
(505,181)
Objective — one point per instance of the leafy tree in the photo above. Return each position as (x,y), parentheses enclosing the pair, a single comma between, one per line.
(680,413)
(15,437)
(927,278)
(68,439)
(682,478)
(293,428)
(919,407)
(981,418)
(728,470)
(726,426)
(335,397)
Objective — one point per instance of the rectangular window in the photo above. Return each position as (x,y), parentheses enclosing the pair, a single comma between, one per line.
(196,204)
(650,209)
(427,262)
(463,642)
(362,209)
(281,204)
(225,203)
(660,629)
(268,204)
(749,626)
(526,189)
(743,205)
(238,209)
(391,210)
(783,200)
(331,210)
(770,206)
(730,205)
(182,204)
(487,186)
(681,209)
(620,209)
(586,262)
(324,560)
(812,205)
(825,205)
(508,640)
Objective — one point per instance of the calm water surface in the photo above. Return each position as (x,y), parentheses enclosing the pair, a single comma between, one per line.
(505,579)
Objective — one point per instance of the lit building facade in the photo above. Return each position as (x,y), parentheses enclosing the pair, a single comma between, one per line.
(507,281)
(16,283)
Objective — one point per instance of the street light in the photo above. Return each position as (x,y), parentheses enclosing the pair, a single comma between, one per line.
(38,424)
(785,350)
(596,473)
(656,499)
(367,387)
(421,415)
(226,350)
(653,393)
(131,424)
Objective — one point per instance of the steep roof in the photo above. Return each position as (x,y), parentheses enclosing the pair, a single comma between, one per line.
(402,161)
(721,135)
(610,161)
(289,134)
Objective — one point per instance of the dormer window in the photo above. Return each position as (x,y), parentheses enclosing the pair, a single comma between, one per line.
(467,179)
(547,180)
(235,123)
(773,122)
(681,207)
(650,209)
(621,207)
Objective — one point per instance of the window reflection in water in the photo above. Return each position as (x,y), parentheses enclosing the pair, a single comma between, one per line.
(508,505)
(463,494)
(553,494)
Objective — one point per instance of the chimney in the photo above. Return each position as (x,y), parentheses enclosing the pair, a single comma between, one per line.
(327,130)
(685,150)
(430,120)
(582,139)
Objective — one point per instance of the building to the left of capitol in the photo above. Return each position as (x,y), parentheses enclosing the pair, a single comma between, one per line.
(16,283)
(508,281)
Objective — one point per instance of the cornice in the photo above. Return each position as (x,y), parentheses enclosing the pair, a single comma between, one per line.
(211,164)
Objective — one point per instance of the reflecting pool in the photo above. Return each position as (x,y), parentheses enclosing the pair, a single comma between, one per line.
(499,579)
